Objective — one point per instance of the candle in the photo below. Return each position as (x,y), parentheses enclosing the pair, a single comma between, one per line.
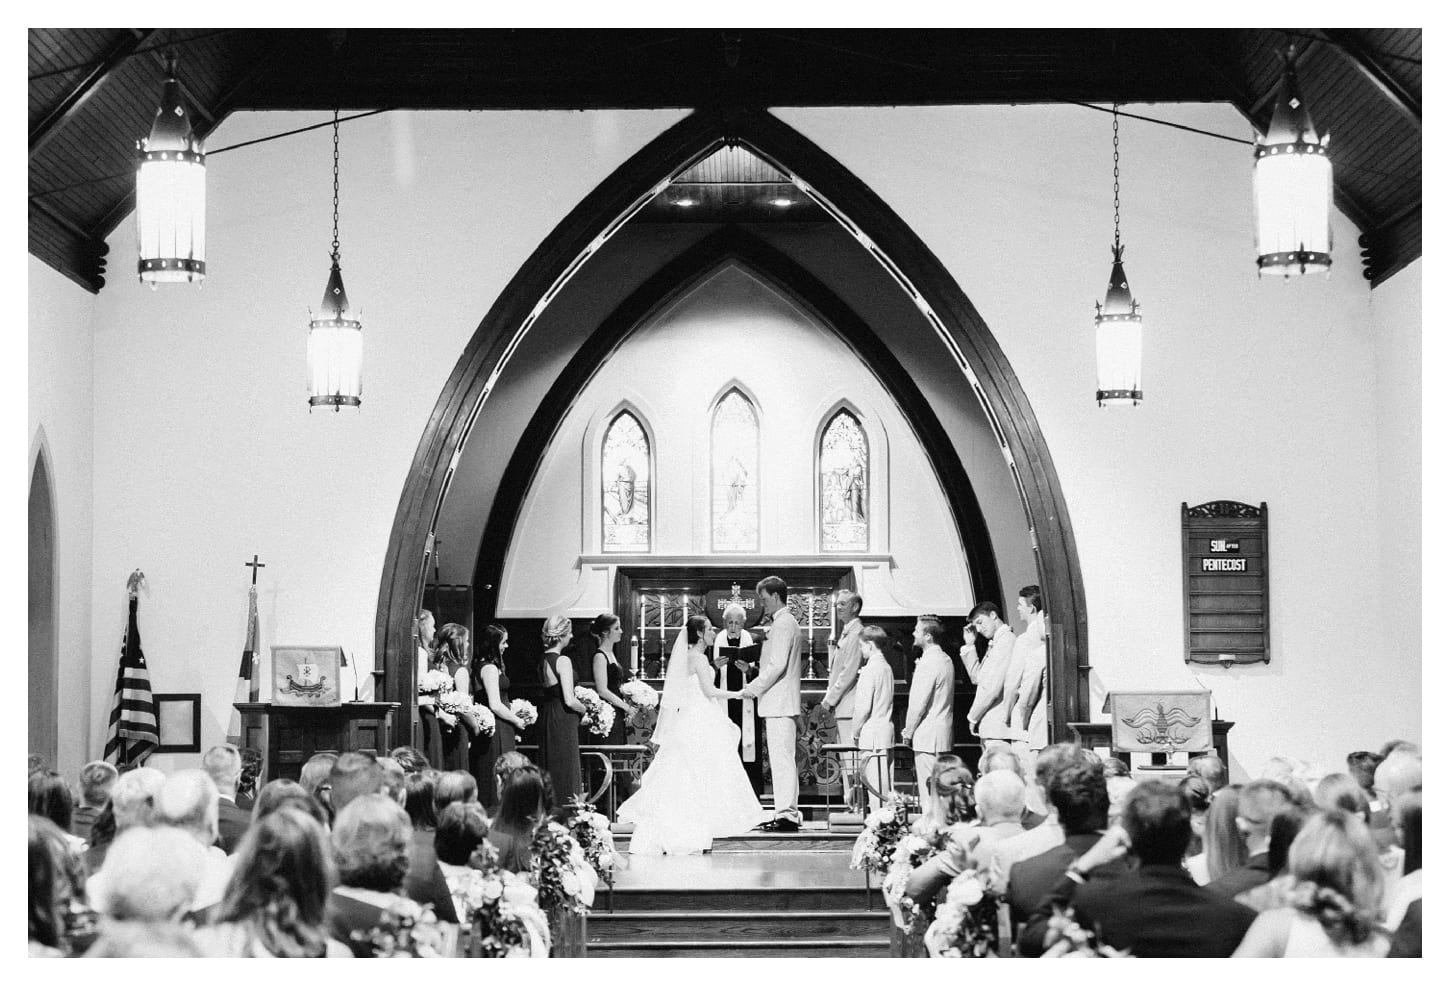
(634,654)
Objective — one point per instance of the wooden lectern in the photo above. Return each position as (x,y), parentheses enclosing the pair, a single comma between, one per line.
(289,736)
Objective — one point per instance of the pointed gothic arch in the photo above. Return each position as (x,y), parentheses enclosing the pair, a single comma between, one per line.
(43,668)
(964,335)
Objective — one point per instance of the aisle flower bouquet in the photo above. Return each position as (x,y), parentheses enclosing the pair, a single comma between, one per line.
(524,710)
(408,930)
(916,847)
(563,876)
(598,715)
(435,683)
(884,828)
(501,909)
(455,705)
(639,696)
(591,830)
(965,926)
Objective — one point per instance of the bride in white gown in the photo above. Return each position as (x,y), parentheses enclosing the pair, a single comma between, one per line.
(696,789)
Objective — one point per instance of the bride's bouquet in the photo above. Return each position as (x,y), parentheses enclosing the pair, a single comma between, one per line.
(562,874)
(639,696)
(455,706)
(524,710)
(598,715)
(435,683)
(876,844)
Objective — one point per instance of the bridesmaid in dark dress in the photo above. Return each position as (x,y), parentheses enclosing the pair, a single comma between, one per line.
(425,641)
(452,657)
(605,632)
(559,712)
(491,689)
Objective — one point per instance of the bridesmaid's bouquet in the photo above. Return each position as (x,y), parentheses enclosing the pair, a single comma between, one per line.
(454,706)
(598,715)
(524,710)
(639,696)
(435,682)
(564,877)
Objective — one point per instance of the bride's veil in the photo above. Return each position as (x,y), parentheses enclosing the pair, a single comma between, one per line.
(676,693)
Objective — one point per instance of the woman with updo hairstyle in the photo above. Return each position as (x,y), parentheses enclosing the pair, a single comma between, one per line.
(452,656)
(559,710)
(491,689)
(370,842)
(276,901)
(1341,792)
(1335,900)
(949,790)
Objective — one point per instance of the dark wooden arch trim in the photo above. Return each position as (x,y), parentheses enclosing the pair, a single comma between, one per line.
(677,277)
(1060,576)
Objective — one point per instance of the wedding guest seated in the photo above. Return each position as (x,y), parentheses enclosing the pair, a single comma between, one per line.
(505,766)
(394,779)
(1200,794)
(410,758)
(188,801)
(51,797)
(1341,792)
(998,796)
(946,775)
(1210,768)
(152,875)
(999,857)
(419,801)
(1283,830)
(1297,777)
(132,804)
(1336,866)
(1224,848)
(223,764)
(276,901)
(56,883)
(1259,802)
(316,779)
(1079,796)
(1398,774)
(427,881)
(1154,910)
(451,786)
(249,778)
(1034,807)
(521,811)
(353,775)
(370,842)
(97,779)
(282,793)
(462,828)
(1407,890)
(1362,765)
(1115,767)
(1119,788)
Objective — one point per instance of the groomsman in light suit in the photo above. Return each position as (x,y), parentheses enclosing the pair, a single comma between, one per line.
(777,691)
(841,685)
(929,709)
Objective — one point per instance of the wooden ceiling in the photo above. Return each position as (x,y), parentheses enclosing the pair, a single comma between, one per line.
(93,91)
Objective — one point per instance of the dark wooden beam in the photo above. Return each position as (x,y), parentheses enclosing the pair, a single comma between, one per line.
(120,50)
(1398,95)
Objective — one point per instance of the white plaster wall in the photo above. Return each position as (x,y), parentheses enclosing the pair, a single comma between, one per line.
(733,329)
(59,399)
(204,451)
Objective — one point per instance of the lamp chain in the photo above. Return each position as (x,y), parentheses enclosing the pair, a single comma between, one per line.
(336,254)
(1116,239)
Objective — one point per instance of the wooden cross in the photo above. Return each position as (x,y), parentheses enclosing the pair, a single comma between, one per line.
(254,565)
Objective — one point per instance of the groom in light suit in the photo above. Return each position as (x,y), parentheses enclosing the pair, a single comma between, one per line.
(777,691)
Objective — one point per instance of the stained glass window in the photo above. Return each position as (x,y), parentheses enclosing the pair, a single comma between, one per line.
(844,485)
(734,475)
(625,473)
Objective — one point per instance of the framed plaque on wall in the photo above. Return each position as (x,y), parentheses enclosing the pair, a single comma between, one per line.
(1226,583)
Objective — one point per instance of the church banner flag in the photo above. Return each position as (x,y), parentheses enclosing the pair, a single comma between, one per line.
(132,731)
(247,686)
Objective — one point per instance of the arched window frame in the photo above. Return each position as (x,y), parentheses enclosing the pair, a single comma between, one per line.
(734,387)
(836,410)
(626,409)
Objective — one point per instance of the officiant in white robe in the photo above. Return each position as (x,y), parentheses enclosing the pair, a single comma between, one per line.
(729,677)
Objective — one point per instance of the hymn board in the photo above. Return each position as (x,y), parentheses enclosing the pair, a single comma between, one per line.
(1226,583)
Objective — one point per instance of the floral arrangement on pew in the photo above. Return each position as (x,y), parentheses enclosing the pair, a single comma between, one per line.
(454,706)
(408,930)
(435,683)
(876,845)
(639,696)
(591,830)
(525,711)
(562,875)
(598,715)
(1066,938)
(966,925)
(501,911)
(918,845)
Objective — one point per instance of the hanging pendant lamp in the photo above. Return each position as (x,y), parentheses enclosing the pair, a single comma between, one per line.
(334,338)
(171,193)
(1117,325)
(1293,186)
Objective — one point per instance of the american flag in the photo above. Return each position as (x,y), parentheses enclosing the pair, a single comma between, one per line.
(247,687)
(132,733)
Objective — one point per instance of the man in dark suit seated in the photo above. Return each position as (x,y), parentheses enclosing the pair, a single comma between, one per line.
(1259,802)
(1155,910)
(357,774)
(97,779)
(223,764)
(1080,794)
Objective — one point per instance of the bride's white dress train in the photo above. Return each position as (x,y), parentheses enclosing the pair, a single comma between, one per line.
(695,790)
